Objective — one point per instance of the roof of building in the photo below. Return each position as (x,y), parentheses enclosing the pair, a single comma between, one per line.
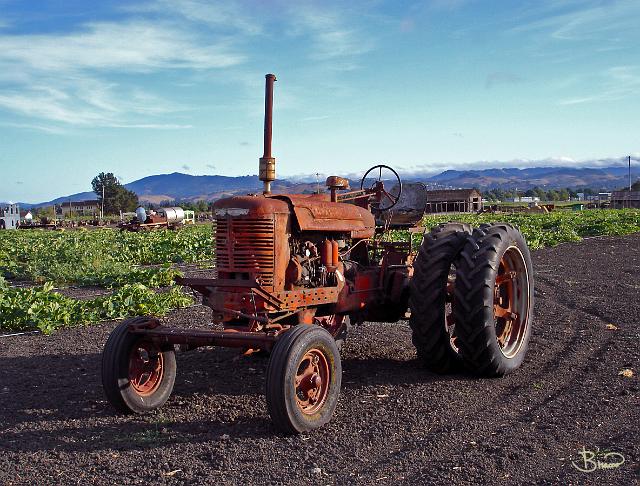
(451,195)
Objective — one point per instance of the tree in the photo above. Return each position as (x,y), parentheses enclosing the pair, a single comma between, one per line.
(541,193)
(636,185)
(553,196)
(563,195)
(116,196)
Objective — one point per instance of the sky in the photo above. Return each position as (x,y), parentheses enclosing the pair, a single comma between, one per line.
(148,87)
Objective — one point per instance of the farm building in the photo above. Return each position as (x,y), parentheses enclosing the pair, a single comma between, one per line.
(10,217)
(453,200)
(625,199)
(81,208)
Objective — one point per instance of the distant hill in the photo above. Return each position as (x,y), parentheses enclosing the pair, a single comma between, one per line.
(548,177)
(177,186)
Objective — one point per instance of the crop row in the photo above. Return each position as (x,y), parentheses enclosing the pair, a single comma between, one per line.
(103,257)
(550,229)
(41,308)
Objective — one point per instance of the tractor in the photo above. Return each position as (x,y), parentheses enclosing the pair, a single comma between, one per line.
(294,273)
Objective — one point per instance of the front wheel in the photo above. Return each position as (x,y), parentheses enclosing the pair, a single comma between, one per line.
(303,379)
(137,374)
(494,300)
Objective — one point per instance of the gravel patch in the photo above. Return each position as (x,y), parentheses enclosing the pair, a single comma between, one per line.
(395,423)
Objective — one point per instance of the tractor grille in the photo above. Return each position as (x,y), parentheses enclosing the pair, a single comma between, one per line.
(246,246)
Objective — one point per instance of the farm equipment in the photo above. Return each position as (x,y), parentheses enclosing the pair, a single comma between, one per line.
(295,271)
(170,218)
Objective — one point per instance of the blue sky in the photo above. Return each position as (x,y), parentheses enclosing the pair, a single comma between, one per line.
(141,88)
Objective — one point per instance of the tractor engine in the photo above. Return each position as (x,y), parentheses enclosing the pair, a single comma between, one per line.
(301,250)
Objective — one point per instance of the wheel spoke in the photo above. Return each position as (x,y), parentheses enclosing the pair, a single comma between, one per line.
(506,277)
(499,311)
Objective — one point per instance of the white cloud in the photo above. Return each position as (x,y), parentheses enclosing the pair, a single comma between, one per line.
(580,20)
(227,14)
(90,74)
(131,46)
(615,83)
(329,31)
(68,78)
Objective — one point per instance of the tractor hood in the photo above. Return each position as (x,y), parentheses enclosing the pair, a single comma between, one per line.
(316,212)
(313,212)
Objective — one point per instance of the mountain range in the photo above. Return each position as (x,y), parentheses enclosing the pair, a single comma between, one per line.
(177,186)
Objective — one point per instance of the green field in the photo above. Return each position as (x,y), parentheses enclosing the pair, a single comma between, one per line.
(104,257)
(549,229)
(134,265)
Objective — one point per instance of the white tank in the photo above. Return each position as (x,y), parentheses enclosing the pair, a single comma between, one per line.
(28,217)
(174,215)
(141,214)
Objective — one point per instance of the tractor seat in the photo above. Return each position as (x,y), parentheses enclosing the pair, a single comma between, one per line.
(337,183)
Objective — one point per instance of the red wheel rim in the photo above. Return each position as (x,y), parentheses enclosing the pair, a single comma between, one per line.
(145,368)
(312,381)
(511,302)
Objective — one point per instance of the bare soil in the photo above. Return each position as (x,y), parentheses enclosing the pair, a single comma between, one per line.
(395,423)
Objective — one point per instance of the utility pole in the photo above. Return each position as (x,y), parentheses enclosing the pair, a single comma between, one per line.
(317,183)
(102,209)
(629,182)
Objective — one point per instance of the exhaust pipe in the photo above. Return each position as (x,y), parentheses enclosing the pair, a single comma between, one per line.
(267,162)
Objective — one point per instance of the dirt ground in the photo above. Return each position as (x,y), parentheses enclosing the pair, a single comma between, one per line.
(395,423)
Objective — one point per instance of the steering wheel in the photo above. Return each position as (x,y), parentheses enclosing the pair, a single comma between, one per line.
(392,199)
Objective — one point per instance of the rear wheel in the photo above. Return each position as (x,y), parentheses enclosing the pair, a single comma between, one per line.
(431,298)
(494,297)
(303,379)
(137,374)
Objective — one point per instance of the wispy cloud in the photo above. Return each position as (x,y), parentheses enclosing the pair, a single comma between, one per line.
(579,20)
(133,46)
(185,167)
(332,36)
(89,74)
(226,14)
(615,83)
(80,77)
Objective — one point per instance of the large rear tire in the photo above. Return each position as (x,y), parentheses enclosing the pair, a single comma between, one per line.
(137,374)
(303,379)
(494,300)
(430,300)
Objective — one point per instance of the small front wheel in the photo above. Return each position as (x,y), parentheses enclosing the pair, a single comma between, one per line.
(137,374)
(303,379)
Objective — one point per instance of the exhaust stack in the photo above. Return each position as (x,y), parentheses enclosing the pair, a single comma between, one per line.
(267,162)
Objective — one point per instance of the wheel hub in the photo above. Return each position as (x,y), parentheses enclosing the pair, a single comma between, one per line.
(510,302)
(145,368)
(311,382)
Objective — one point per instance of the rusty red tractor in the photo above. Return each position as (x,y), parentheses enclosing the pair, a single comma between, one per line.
(296,271)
